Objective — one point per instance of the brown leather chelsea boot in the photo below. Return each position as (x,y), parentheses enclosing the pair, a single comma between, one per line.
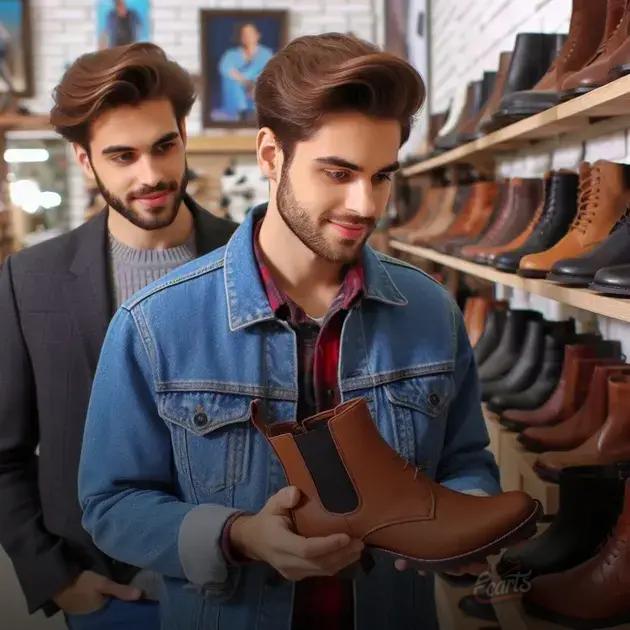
(352,481)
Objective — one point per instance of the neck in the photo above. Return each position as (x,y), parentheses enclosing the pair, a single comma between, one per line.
(310,281)
(170,236)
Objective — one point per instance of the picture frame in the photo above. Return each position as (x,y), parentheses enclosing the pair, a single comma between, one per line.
(16,60)
(121,22)
(235,46)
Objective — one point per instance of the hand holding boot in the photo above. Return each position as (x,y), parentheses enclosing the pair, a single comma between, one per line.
(268,536)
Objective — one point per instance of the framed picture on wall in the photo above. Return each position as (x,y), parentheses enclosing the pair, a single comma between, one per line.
(235,47)
(16,66)
(121,22)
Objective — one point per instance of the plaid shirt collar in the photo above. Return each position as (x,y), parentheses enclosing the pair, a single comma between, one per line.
(351,289)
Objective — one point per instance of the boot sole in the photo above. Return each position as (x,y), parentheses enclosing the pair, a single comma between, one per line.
(580,91)
(505,268)
(570,280)
(546,474)
(511,425)
(526,529)
(573,622)
(608,290)
(532,273)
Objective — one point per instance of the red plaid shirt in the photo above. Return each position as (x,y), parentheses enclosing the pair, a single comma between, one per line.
(320,603)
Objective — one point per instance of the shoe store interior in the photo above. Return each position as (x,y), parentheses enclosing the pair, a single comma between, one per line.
(513,193)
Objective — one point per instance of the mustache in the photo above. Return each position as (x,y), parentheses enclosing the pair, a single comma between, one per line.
(149,190)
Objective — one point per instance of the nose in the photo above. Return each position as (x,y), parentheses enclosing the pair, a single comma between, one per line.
(362,199)
(148,175)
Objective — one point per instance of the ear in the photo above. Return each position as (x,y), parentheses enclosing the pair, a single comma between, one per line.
(269,154)
(83,159)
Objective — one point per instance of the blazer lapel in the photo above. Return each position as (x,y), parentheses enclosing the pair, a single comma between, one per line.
(87,292)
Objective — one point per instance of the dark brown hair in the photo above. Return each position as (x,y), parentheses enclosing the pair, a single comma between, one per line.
(316,75)
(124,75)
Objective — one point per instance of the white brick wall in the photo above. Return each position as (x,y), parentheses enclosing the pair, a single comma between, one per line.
(64,29)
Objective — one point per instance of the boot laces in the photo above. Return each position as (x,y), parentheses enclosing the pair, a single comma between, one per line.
(588,201)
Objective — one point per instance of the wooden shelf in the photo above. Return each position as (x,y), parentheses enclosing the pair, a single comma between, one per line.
(222,144)
(579,298)
(9,122)
(580,116)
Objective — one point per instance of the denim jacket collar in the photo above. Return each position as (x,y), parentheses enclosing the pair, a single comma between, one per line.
(246,298)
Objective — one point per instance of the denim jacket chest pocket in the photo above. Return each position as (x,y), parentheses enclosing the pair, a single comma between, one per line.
(418,412)
(211,435)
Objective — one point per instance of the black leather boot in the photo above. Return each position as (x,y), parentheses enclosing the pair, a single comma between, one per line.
(612,281)
(591,498)
(559,210)
(522,373)
(543,379)
(532,56)
(491,336)
(510,345)
(614,251)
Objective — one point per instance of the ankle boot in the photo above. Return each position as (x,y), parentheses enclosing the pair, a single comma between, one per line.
(495,97)
(353,482)
(430,201)
(591,498)
(474,94)
(478,315)
(608,445)
(491,335)
(604,191)
(521,201)
(441,221)
(593,594)
(596,72)
(467,132)
(586,32)
(559,209)
(566,399)
(613,251)
(576,429)
(523,372)
(533,54)
(508,350)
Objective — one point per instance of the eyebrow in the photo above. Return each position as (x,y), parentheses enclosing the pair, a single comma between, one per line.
(337,161)
(118,148)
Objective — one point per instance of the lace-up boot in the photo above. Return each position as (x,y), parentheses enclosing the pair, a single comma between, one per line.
(603,196)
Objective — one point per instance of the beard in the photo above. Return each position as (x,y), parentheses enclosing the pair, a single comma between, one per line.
(159,217)
(311,231)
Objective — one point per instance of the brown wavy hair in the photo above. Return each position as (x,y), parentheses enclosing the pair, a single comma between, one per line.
(316,75)
(123,75)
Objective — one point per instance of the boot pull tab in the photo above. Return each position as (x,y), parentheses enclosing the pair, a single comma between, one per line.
(256,413)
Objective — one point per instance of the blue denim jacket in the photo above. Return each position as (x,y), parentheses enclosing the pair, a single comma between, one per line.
(169,451)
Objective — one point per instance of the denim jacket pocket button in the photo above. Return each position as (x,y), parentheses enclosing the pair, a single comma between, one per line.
(200,419)
(434,400)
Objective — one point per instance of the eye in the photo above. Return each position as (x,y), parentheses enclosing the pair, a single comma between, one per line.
(164,148)
(123,158)
(337,176)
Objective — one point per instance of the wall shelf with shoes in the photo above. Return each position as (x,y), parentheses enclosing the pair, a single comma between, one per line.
(578,298)
(604,110)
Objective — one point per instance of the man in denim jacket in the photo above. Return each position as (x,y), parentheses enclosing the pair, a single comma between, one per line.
(299,312)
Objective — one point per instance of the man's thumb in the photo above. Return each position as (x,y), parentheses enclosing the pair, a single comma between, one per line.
(284,500)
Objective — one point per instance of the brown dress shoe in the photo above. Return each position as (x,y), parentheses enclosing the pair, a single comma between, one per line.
(596,72)
(610,444)
(576,429)
(566,398)
(594,594)
(353,482)
(603,197)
